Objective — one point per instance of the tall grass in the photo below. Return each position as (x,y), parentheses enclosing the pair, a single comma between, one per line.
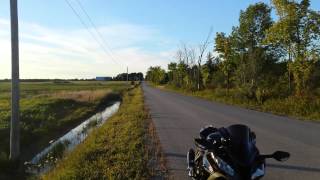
(302,108)
(82,96)
(307,108)
(114,151)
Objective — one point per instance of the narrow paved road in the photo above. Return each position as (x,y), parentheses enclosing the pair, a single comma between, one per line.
(178,119)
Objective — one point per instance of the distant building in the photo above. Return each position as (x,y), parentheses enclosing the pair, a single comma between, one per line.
(103,78)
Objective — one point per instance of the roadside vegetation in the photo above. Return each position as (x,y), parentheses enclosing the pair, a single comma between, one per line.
(119,149)
(48,110)
(264,64)
(304,109)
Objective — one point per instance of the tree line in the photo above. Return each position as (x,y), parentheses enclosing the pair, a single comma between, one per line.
(134,76)
(131,77)
(260,58)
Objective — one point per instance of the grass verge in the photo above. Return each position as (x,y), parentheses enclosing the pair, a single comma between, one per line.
(156,158)
(119,149)
(302,109)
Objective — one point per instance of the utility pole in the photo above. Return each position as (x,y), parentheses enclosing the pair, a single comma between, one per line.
(127,74)
(289,73)
(15,127)
(199,66)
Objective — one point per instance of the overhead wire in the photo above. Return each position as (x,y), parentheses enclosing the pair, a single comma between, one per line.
(90,32)
(96,29)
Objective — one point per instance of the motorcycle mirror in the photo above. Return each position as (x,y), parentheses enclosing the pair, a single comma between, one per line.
(281,155)
(202,143)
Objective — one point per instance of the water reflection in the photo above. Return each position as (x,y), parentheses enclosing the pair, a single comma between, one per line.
(44,160)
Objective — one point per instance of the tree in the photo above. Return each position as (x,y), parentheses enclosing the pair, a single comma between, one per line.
(245,58)
(202,49)
(132,77)
(252,53)
(253,23)
(224,47)
(172,68)
(298,32)
(208,69)
(156,75)
(186,73)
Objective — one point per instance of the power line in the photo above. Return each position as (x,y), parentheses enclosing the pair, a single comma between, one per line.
(88,29)
(95,27)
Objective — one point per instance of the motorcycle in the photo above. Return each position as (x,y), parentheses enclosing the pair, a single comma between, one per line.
(228,153)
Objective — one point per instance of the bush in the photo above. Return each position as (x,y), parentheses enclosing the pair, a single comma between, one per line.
(262,95)
(305,108)
(245,93)
(219,92)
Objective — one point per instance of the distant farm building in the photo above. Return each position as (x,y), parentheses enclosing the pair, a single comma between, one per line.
(103,78)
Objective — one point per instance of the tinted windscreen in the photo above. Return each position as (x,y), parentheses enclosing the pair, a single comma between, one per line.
(242,150)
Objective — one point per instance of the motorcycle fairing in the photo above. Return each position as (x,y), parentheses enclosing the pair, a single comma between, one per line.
(242,147)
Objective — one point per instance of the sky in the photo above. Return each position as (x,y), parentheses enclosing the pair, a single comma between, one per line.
(136,33)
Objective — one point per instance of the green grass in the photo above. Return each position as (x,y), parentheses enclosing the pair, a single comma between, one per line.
(116,150)
(29,89)
(50,109)
(300,108)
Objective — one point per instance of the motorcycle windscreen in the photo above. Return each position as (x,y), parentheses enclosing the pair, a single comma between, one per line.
(243,150)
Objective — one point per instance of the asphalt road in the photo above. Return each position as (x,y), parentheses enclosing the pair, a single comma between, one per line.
(179,118)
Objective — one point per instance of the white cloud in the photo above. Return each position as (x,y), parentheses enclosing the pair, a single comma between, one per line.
(56,53)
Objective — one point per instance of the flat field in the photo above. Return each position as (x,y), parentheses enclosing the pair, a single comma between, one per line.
(49,109)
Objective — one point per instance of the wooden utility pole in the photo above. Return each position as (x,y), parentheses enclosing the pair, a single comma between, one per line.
(289,72)
(15,127)
(127,74)
(199,66)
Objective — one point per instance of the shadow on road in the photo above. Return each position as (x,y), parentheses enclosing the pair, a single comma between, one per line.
(291,167)
(269,165)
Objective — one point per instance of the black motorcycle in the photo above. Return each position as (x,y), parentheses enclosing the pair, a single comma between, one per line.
(228,153)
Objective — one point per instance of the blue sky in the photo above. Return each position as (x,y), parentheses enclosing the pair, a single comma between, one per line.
(140,33)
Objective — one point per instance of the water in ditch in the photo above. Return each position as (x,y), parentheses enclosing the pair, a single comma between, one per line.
(48,157)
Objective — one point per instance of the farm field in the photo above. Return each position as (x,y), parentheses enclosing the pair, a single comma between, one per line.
(49,109)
